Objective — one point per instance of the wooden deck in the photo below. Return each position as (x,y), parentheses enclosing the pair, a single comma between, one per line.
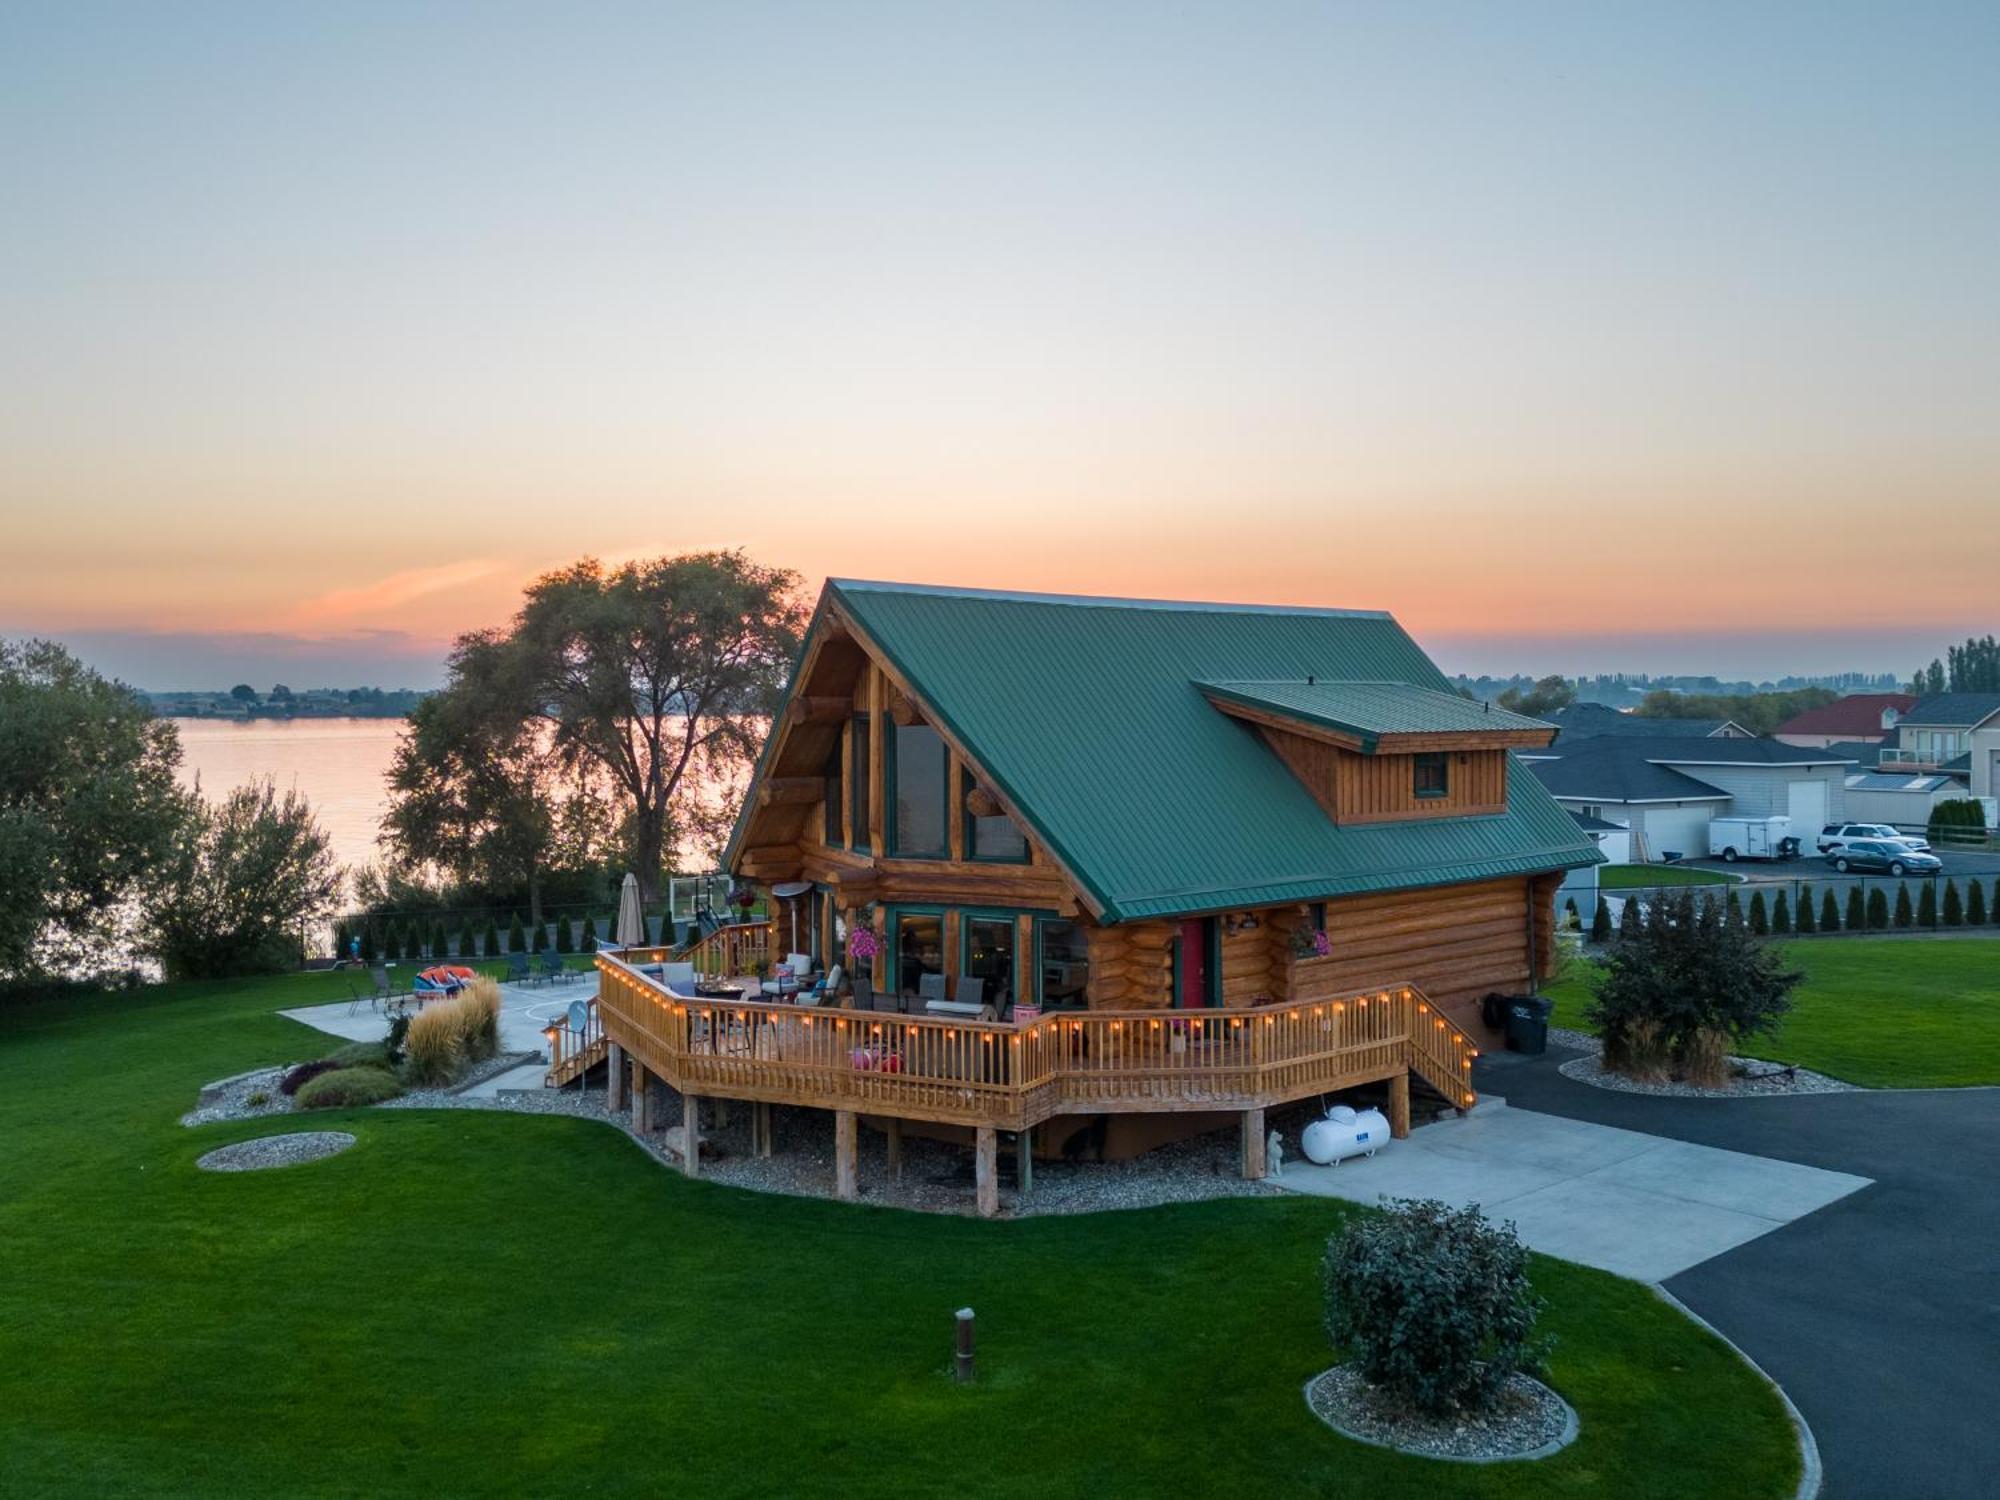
(1000,1076)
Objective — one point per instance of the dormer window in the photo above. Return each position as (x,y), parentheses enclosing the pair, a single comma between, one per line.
(1432,775)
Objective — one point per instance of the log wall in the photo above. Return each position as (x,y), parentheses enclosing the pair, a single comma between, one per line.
(1382,788)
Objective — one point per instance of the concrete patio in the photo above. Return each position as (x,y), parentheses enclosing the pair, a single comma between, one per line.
(524,1010)
(1640,1205)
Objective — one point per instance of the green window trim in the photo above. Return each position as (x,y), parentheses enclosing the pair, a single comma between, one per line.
(859,730)
(1433,760)
(890,818)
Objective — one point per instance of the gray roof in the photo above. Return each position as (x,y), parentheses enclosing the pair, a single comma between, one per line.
(1681,750)
(1861,752)
(1590,720)
(1596,825)
(1889,781)
(1953,710)
(1614,770)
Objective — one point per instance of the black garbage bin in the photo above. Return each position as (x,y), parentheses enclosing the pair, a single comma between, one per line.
(1528,1024)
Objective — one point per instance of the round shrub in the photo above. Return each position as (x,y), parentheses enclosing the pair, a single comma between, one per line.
(1433,1303)
(304,1073)
(346,1088)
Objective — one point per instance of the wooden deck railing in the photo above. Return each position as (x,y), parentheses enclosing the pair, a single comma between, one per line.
(571,1053)
(1014,1076)
(739,948)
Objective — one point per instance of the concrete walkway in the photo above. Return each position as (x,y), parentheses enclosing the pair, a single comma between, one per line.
(524,1010)
(1640,1205)
(1877,1315)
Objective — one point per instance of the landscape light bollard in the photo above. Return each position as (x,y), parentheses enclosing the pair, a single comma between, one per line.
(964,1370)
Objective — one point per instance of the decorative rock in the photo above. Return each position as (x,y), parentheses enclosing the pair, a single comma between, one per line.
(1527,1421)
(276,1151)
(1754,1079)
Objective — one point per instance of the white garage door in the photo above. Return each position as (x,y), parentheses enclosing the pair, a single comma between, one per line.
(1806,801)
(1681,829)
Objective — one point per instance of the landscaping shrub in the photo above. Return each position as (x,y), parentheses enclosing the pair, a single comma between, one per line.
(1961,820)
(1704,1060)
(1903,916)
(256,1099)
(490,946)
(440,945)
(360,1055)
(1732,906)
(1806,922)
(1975,904)
(346,1088)
(517,934)
(1781,914)
(1954,907)
(1692,984)
(1829,913)
(564,943)
(1600,922)
(589,944)
(393,1045)
(1927,912)
(468,940)
(1760,921)
(1630,922)
(303,1074)
(1433,1303)
(449,1034)
(1878,910)
(371,944)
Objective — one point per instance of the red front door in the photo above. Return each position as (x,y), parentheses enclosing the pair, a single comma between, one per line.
(1193,965)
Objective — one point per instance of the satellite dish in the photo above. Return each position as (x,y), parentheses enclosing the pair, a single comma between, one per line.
(579,1016)
(786,890)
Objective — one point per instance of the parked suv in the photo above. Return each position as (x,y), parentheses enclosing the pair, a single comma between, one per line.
(1834,835)
(1880,854)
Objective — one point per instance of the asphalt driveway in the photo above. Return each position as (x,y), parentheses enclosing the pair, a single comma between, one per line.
(1879,1313)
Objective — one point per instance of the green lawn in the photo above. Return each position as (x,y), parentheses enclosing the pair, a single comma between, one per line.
(1885,1012)
(1651,877)
(481,1303)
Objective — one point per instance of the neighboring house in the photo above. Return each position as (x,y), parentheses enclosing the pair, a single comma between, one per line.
(1667,789)
(1903,799)
(1614,842)
(1593,720)
(1860,718)
(1952,732)
(1113,832)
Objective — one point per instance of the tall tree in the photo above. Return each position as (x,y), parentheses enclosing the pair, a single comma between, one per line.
(658,670)
(247,875)
(478,788)
(1547,694)
(88,806)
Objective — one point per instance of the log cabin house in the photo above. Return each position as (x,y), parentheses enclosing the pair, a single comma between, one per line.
(1193,860)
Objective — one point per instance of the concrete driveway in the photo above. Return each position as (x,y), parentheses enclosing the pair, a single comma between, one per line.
(1878,1313)
(1640,1205)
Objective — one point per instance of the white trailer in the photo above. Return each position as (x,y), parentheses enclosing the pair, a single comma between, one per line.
(1751,838)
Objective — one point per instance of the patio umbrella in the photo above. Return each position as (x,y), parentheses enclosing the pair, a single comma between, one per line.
(631,918)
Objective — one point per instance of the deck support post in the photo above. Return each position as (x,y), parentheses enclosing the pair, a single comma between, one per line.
(894,1132)
(846,1134)
(1024,1159)
(1253,1144)
(691,1134)
(614,1077)
(760,1128)
(643,1098)
(986,1171)
(1399,1106)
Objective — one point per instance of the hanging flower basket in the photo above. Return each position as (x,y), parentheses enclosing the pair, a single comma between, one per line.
(862,943)
(1311,942)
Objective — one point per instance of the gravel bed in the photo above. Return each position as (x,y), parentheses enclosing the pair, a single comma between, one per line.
(292,1150)
(1755,1079)
(229,1098)
(936,1176)
(1528,1421)
(444,1095)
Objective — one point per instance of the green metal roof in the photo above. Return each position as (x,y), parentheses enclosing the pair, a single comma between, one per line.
(1368,710)
(1087,713)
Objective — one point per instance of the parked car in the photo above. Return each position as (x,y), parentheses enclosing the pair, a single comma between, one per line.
(1880,854)
(1834,835)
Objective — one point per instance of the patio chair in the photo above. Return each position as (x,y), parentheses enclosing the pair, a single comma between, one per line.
(863,996)
(801,965)
(519,970)
(827,988)
(888,1000)
(972,991)
(679,977)
(553,967)
(930,987)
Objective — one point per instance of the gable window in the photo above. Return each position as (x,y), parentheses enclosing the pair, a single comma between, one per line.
(1433,775)
(918,775)
(858,792)
(830,795)
(995,837)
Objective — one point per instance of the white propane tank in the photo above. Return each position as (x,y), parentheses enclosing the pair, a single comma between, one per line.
(1344,1133)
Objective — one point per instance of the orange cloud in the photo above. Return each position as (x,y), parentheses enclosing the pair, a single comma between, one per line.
(395,591)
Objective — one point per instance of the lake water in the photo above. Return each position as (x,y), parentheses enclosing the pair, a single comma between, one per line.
(337,763)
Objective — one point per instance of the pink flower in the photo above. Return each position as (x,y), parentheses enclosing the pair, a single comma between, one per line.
(1322,945)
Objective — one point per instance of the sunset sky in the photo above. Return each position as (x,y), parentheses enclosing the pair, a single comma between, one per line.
(1582,337)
